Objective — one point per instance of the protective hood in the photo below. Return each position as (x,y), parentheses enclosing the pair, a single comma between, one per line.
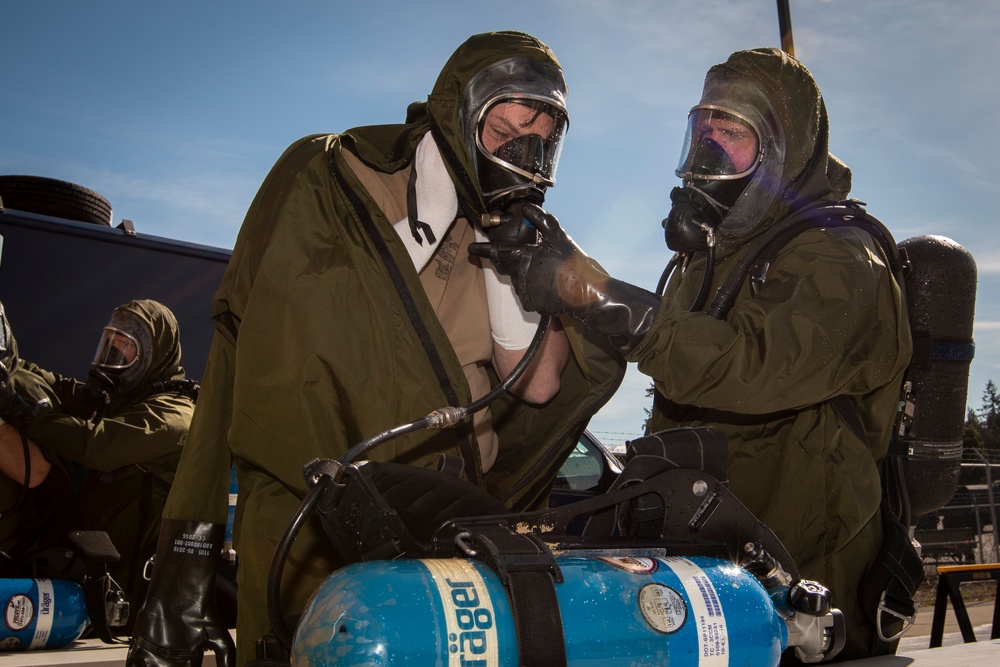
(528,67)
(157,334)
(485,68)
(779,95)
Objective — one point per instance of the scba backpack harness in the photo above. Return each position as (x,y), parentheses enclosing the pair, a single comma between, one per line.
(887,591)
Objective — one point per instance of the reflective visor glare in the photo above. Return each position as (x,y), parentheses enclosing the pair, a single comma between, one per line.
(116,350)
(524,135)
(718,145)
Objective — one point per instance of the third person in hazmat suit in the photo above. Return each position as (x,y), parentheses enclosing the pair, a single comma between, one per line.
(826,322)
(351,306)
(119,435)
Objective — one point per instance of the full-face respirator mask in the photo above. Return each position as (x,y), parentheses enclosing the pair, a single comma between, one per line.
(720,156)
(518,141)
(721,151)
(514,119)
(121,359)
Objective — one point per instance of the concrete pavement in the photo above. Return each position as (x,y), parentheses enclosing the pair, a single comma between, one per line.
(913,647)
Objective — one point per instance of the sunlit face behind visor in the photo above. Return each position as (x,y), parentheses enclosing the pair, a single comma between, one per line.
(523,137)
(116,351)
(719,146)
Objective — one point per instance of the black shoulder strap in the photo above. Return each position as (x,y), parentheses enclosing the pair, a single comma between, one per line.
(848,411)
(849,213)
(467,442)
(186,387)
(189,388)
(529,573)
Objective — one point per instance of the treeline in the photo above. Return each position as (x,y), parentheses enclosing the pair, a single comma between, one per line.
(982,439)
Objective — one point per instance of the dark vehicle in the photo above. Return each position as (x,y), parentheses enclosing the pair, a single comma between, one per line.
(590,469)
(61,276)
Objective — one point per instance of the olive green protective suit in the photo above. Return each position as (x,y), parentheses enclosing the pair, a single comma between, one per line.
(130,455)
(317,349)
(828,321)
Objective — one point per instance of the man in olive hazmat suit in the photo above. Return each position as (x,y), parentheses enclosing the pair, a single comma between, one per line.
(823,325)
(120,434)
(351,306)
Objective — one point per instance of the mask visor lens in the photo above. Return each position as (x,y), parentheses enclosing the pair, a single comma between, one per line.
(524,136)
(719,145)
(116,350)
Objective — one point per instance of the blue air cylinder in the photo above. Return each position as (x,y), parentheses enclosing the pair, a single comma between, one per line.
(41,613)
(614,611)
(941,301)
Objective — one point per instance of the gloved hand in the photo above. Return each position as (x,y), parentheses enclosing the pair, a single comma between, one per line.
(179,619)
(556,277)
(14,408)
(99,388)
(510,226)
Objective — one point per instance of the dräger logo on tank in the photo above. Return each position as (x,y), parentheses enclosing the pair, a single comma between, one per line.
(469,614)
(46,607)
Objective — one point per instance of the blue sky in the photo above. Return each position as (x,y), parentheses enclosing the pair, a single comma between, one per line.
(175,111)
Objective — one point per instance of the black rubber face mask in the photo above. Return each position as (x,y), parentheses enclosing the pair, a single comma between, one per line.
(692,219)
(527,153)
(698,208)
(518,141)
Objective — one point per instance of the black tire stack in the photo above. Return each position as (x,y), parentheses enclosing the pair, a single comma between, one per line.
(59,199)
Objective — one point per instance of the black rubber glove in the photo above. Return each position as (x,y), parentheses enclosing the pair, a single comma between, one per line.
(16,409)
(556,277)
(179,620)
(99,389)
(511,227)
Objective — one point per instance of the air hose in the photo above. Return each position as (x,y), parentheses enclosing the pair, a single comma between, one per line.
(441,418)
(449,416)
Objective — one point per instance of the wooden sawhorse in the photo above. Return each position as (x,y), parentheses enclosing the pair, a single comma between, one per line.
(950,579)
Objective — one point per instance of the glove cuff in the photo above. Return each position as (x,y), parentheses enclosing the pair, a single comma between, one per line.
(624,313)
